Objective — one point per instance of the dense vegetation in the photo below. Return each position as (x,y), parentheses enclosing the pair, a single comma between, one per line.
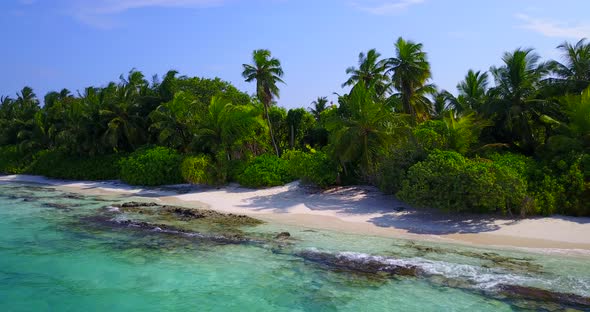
(514,139)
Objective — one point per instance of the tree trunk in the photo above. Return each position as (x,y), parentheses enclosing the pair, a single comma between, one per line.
(272,135)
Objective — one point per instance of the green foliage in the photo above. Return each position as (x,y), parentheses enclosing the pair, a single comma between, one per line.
(393,168)
(315,167)
(152,166)
(448,181)
(12,161)
(264,171)
(59,165)
(560,188)
(198,170)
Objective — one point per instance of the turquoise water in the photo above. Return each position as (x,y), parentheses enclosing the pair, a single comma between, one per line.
(53,259)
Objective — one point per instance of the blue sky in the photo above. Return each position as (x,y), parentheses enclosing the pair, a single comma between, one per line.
(52,44)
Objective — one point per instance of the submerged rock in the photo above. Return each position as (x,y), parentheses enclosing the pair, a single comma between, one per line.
(358,264)
(283,235)
(188,214)
(58,206)
(229,238)
(537,294)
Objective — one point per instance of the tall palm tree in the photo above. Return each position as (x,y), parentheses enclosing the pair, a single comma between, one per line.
(267,72)
(514,104)
(472,92)
(411,72)
(318,106)
(574,72)
(371,71)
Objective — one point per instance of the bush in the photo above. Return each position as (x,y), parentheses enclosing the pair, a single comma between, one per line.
(152,166)
(393,168)
(265,170)
(198,170)
(11,160)
(59,165)
(448,181)
(313,168)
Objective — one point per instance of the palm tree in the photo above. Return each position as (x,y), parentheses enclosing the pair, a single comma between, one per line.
(319,105)
(364,131)
(371,71)
(514,104)
(173,121)
(266,71)
(411,72)
(441,104)
(573,74)
(472,92)
(224,124)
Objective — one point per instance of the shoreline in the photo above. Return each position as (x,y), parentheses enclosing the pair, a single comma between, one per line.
(359,210)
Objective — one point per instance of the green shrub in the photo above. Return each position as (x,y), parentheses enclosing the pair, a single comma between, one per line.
(152,166)
(198,170)
(393,168)
(265,170)
(11,160)
(448,181)
(313,168)
(431,135)
(57,164)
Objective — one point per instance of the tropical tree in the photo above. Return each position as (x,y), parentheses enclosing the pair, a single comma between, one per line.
(226,127)
(267,72)
(174,121)
(472,92)
(410,75)
(441,104)
(318,106)
(514,104)
(573,75)
(371,71)
(361,134)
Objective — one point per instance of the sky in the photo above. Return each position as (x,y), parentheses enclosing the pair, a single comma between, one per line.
(54,44)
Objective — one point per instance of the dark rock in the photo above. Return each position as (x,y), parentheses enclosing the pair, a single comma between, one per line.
(137,205)
(224,238)
(189,214)
(73,196)
(366,265)
(537,294)
(57,206)
(283,235)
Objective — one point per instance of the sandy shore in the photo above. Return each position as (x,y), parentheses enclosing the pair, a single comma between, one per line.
(362,210)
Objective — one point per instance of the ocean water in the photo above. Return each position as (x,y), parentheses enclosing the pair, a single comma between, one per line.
(54,258)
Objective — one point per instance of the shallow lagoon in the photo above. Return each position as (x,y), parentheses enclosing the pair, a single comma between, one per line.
(51,259)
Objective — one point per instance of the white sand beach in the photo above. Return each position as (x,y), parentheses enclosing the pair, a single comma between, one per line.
(357,209)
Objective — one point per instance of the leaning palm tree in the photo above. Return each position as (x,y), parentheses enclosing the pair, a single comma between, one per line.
(319,105)
(411,72)
(574,73)
(371,72)
(266,71)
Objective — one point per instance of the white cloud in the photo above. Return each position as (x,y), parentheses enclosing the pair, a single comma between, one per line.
(99,13)
(552,28)
(385,7)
